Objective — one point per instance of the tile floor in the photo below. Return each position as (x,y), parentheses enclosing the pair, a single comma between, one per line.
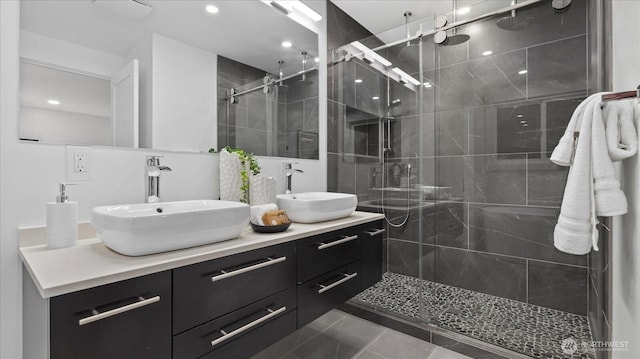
(524,328)
(338,335)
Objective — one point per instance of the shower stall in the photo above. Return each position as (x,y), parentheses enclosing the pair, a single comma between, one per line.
(445,125)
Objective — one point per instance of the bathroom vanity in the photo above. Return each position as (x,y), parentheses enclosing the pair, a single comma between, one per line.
(225,300)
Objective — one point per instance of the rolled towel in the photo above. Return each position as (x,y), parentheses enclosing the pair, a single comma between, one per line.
(622,137)
(258,211)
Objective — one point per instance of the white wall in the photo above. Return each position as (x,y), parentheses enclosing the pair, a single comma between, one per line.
(54,126)
(29,174)
(67,55)
(626,233)
(184,96)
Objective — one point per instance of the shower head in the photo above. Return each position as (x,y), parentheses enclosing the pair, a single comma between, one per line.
(409,53)
(513,22)
(282,88)
(456,39)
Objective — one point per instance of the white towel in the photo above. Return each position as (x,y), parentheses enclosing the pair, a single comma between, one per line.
(573,233)
(610,200)
(592,188)
(258,211)
(622,140)
(563,153)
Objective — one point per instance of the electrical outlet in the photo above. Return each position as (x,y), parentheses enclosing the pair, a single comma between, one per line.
(78,159)
(79,162)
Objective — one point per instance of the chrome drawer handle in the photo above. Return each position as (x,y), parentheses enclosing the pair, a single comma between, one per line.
(226,336)
(99,316)
(344,239)
(346,277)
(375,232)
(270,261)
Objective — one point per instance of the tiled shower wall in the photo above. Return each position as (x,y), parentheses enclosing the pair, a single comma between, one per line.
(494,232)
(279,123)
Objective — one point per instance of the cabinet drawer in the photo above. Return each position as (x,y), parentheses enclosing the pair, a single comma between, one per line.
(129,319)
(248,330)
(326,252)
(205,291)
(372,236)
(322,294)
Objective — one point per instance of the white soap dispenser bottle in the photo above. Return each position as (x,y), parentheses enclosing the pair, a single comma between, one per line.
(62,220)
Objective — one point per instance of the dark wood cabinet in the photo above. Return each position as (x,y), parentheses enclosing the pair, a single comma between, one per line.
(326,252)
(243,332)
(205,291)
(229,307)
(319,295)
(128,319)
(372,238)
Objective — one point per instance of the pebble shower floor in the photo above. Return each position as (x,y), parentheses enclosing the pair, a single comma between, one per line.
(524,328)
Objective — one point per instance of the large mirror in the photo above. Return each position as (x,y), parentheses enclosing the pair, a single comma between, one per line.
(170,75)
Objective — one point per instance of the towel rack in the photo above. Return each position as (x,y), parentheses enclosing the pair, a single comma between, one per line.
(621,95)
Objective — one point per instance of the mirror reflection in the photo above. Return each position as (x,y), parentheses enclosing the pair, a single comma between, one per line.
(156,74)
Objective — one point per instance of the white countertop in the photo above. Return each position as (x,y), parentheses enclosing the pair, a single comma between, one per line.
(90,263)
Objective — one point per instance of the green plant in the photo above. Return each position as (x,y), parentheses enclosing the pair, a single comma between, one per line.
(213,150)
(254,168)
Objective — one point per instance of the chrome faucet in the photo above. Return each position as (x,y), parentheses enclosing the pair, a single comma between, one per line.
(153,170)
(288,173)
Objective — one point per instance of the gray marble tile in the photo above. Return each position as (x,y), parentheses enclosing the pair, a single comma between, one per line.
(465,349)
(342,28)
(393,344)
(450,173)
(558,114)
(451,132)
(487,273)
(545,26)
(366,167)
(257,112)
(295,113)
(558,67)
(450,225)
(250,140)
(310,119)
(495,179)
(371,85)
(299,91)
(335,126)
(545,180)
(403,258)
(222,134)
(518,231)
(557,286)
(341,176)
(344,339)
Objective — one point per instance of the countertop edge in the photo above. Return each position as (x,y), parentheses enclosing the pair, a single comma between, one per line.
(33,257)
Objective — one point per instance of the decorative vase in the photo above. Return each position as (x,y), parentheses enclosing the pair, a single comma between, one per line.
(230,177)
(262,189)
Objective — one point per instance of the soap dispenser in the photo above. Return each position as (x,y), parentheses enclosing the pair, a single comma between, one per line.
(62,220)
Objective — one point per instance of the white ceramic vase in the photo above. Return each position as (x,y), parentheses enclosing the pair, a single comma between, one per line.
(262,189)
(230,178)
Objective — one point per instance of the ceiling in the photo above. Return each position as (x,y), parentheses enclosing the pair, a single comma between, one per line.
(379,16)
(244,30)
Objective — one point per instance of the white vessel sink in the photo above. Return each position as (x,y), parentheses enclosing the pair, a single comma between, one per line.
(312,207)
(147,228)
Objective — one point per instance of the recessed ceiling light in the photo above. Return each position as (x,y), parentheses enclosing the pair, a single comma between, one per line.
(487,53)
(286,44)
(358,81)
(427,84)
(375,98)
(464,10)
(212,9)
(522,72)
(316,60)
(519,115)
(53,102)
